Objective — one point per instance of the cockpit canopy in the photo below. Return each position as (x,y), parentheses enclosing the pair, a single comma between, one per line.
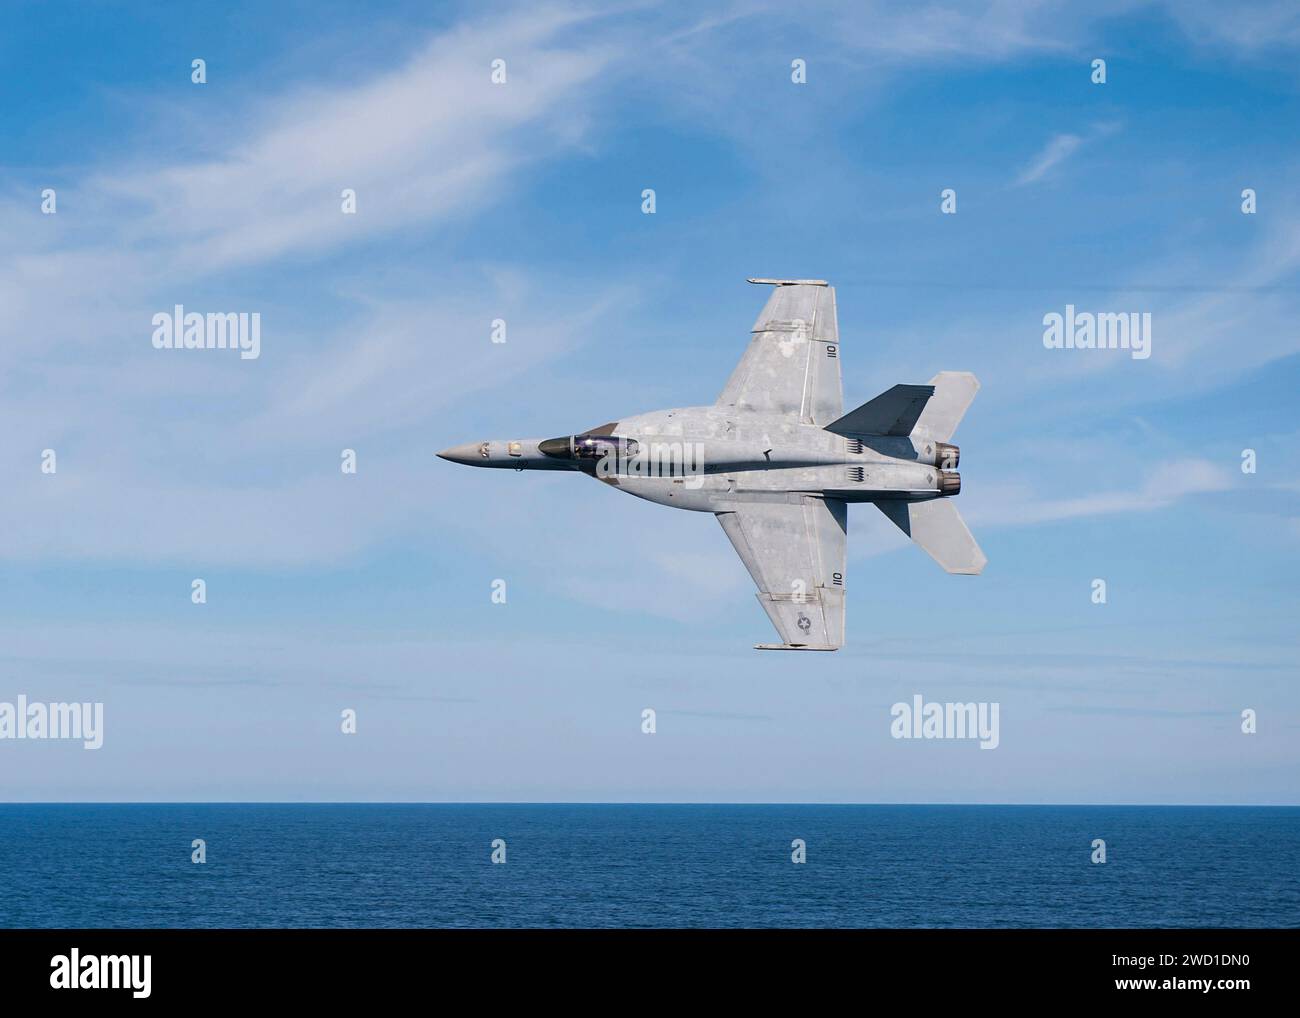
(589,446)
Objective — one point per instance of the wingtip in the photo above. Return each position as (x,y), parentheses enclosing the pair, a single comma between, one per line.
(975,382)
(974,569)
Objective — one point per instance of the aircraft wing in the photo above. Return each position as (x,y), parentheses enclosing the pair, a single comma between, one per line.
(792,365)
(795,551)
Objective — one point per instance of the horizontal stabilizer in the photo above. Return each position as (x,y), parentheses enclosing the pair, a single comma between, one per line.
(940,531)
(893,412)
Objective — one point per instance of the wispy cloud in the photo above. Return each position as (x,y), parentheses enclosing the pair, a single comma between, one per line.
(425,144)
(1168,483)
(933,31)
(1247,27)
(1227,713)
(427,141)
(1058,149)
(422,146)
(1055,152)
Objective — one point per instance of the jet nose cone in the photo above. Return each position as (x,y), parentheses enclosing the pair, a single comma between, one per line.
(467,453)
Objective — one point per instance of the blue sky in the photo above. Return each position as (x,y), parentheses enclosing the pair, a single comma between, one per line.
(523,202)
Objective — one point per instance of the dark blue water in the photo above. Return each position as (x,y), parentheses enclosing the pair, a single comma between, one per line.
(577,865)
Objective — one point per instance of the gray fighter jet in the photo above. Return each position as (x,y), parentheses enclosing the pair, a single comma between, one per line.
(778,461)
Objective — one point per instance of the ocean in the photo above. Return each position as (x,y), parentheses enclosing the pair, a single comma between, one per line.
(387,865)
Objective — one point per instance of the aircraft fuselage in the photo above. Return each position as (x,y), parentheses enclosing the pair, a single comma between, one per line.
(700,458)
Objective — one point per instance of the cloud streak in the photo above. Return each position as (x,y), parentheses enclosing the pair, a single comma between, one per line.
(1059,149)
(1169,483)
(429,141)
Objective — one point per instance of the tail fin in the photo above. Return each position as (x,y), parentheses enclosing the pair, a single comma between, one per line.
(931,413)
(894,412)
(953,393)
(933,410)
(940,531)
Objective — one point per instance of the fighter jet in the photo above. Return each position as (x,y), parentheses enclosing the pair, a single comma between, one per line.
(778,462)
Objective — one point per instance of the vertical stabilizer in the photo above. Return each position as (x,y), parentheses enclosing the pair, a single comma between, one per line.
(953,393)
